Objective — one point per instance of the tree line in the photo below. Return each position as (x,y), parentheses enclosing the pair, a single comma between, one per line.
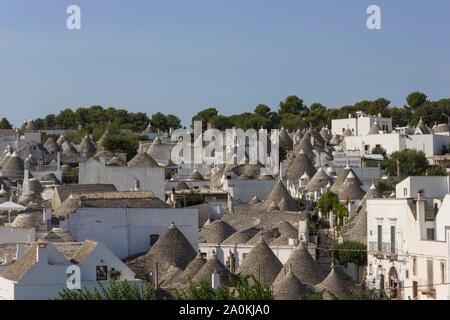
(291,113)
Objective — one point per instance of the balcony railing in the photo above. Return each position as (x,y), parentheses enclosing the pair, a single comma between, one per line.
(384,248)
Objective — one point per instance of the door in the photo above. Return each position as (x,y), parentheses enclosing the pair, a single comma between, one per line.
(415,290)
(392,239)
(380,238)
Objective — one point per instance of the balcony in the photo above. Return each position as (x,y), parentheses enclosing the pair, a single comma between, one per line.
(383,250)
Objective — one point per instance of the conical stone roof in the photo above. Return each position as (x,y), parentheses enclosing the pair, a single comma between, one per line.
(192,269)
(171,249)
(101,141)
(300,164)
(216,232)
(341,179)
(325,133)
(196,176)
(280,193)
(181,185)
(303,266)
(241,237)
(87,147)
(290,288)
(142,160)
(261,263)
(336,283)
(14,168)
(212,265)
(51,146)
(351,189)
(318,181)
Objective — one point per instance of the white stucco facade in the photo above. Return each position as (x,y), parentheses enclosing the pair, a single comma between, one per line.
(402,246)
(124,178)
(127,231)
(361,124)
(48,275)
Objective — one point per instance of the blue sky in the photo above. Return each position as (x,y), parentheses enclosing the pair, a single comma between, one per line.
(182,56)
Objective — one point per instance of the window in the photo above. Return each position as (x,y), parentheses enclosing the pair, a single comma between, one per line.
(442,272)
(367,147)
(430,275)
(392,239)
(380,237)
(405,192)
(407,274)
(102,273)
(430,234)
(414,267)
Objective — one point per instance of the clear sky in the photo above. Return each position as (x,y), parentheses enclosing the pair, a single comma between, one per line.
(179,56)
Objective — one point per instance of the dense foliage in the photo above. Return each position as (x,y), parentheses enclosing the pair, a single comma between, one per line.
(292,113)
(123,143)
(411,163)
(245,289)
(330,202)
(5,124)
(114,290)
(98,117)
(351,252)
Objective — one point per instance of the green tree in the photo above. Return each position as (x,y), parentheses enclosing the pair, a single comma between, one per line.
(437,170)
(330,202)
(205,115)
(5,124)
(159,121)
(291,104)
(415,100)
(262,110)
(173,122)
(351,252)
(114,290)
(123,143)
(201,291)
(411,162)
(246,289)
(317,115)
(292,122)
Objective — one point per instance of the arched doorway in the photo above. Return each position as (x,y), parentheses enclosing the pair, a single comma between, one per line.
(393,282)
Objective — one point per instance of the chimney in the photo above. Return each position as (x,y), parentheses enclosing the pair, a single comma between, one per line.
(420,208)
(20,250)
(42,252)
(58,160)
(173,198)
(215,280)
(26,181)
(230,204)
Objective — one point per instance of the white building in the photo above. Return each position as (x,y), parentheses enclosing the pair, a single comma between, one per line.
(128,223)
(123,177)
(409,240)
(361,124)
(41,271)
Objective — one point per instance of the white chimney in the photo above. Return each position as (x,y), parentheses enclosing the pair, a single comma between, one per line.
(215,280)
(26,181)
(42,253)
(20,250)
(58,159)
